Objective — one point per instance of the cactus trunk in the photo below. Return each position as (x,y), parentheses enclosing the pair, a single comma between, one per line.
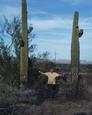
(24,48)
(75,50)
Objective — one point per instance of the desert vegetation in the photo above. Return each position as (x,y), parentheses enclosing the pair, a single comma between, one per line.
(24,91)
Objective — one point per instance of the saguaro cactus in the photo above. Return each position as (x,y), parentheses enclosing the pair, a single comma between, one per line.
(24,46)
(75,48)
(75,52)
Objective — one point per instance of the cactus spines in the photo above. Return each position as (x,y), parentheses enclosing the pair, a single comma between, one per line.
(24,47)
(75,50)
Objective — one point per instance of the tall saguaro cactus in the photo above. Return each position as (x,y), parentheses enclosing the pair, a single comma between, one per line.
(75,52)
(75,48)
(24,46)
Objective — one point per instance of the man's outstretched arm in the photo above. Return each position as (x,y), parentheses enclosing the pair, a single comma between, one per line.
(42,73)
(60,74)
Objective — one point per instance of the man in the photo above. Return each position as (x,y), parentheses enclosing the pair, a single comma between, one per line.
(52,86)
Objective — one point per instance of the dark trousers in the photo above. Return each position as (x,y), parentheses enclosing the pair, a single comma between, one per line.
(52,90)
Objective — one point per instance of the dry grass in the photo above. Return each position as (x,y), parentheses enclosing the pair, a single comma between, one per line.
(17,102)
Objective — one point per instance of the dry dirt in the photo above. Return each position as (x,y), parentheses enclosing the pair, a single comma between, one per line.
(53,107)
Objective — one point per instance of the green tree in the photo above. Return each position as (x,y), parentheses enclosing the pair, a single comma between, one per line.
(12,29)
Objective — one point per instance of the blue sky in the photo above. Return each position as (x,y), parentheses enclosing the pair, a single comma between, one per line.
(52,21)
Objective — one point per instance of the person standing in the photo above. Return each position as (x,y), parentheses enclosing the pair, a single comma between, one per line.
(52,86)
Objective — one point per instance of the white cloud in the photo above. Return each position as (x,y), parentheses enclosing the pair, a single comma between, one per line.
(54,23)
(37,12)
(9,11)
(61,47)
(58,22)
(86,23)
